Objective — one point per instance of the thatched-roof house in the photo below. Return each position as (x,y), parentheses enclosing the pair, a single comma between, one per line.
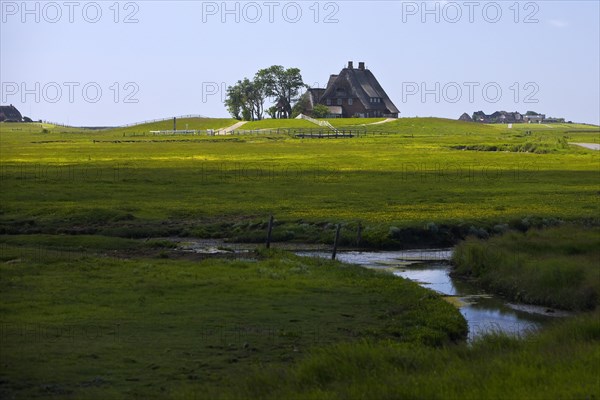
(465,117)
(354,92)
(498,117)
(10,114)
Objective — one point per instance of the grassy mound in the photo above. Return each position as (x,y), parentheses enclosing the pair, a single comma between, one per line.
(278,123)
(182,123)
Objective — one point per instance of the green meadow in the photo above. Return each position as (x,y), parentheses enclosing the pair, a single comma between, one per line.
(402,174)
(98,302)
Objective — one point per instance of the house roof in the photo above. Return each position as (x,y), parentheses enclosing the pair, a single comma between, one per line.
(364,86)
(332,79)
(10,113)
(314,94)
(465,117)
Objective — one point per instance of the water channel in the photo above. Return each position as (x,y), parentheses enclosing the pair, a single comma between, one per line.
(431,269)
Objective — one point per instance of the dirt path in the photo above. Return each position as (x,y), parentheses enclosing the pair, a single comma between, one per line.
(383,122)
(227,131)
(591,146)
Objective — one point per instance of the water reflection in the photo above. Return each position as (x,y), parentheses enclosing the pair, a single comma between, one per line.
(430,268)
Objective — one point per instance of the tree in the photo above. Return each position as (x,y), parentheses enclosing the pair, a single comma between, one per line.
(233,101)
(247,90)
(300,107)
(320,111)
(272,111)
(257,95)
(245,100)
(246,115)
(283,85)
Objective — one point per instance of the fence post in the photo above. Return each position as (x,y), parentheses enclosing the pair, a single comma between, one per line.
(335,241)
(269,230)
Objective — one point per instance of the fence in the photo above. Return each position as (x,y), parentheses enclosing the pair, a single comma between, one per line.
(300,133)
(127,125)
(163,119)
(304,132)
(55,123)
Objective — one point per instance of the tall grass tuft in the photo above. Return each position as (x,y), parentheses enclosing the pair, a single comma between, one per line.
(555,267)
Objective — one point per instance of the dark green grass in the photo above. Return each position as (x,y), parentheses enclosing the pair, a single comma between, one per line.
(560,363)
(75,325)
(557,267)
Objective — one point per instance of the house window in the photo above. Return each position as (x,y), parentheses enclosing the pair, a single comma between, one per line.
(349,102)
(328,102)
(339,102)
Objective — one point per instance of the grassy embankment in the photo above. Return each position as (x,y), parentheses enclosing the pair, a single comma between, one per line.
(97,317)
(277,123)
(557,267)
(182,123)
(351,122)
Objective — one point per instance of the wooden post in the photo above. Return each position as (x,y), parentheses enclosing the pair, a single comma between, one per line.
(335,241)
(359,234)
(269,230)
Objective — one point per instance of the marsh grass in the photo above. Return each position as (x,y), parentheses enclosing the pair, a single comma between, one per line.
(555,267)
(561,362)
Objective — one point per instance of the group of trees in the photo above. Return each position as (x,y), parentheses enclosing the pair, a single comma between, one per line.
(245,100)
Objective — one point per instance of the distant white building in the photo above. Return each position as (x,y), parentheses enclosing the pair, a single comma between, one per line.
(539,118)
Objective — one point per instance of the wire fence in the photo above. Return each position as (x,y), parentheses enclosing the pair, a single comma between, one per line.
(150,121)
(300,133)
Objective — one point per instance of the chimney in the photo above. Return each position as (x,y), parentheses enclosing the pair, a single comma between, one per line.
(350,66)
(361,65)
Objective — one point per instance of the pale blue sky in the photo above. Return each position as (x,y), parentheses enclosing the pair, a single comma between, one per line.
(178,56)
